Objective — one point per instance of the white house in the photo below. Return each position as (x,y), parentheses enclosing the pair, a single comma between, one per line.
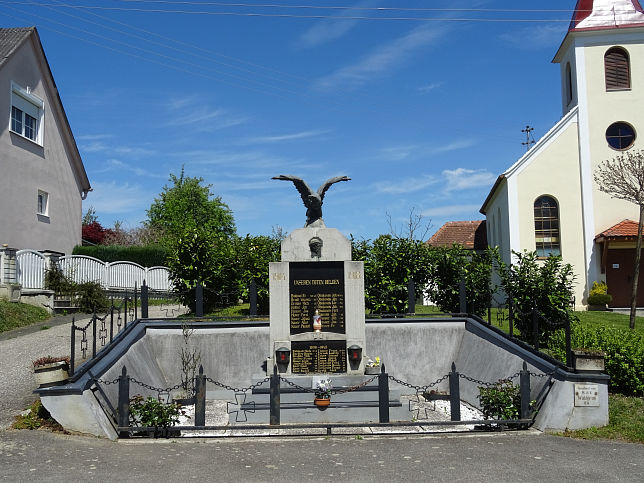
(548,200)
(42,177)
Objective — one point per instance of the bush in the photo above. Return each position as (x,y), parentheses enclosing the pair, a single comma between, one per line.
(500,401)
(546,286)
(447,266)
(624,351)
(145,255)
(151,413)
(598,294)
(90,297)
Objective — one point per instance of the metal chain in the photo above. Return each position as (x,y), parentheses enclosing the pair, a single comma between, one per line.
(297,386)
(419,388)
(152,388)
(237,389)
(477,381)
(107,383)
(354,388)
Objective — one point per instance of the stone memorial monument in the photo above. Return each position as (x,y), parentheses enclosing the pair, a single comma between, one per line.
(317,323)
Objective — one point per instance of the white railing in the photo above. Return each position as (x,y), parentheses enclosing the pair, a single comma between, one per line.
(30,268)
(80,268)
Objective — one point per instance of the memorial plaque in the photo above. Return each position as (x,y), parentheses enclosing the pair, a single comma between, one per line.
(587,395)
(318,357)
(317,286)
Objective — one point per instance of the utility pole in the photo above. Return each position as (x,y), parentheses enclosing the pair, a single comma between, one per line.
(529,140)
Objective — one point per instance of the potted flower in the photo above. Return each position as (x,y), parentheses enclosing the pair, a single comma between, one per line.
(323,393)
(372,366)
(51,371)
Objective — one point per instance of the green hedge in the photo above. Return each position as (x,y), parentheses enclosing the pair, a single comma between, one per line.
(146,255)
(624,354)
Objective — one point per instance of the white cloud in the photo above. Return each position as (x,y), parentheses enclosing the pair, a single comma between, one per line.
(417,151)
(462,178)
(535,37)
(382,59)
(328,30)
(408,185)
(133,168)
(190,111)
(451,210)
(118,198)
(454,146)
(287,137)
(430,87)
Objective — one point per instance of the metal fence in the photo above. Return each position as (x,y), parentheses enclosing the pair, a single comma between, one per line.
(128,425)
(120,275)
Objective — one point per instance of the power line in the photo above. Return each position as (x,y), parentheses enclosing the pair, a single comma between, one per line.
(288,15)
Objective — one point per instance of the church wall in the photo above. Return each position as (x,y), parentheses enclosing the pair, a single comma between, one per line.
(497,222)
(536,179)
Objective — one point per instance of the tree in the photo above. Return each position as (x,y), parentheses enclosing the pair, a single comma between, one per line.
(623,178)
(189,204)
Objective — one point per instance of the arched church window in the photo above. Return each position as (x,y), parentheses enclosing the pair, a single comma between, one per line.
(617,69)
(546,226)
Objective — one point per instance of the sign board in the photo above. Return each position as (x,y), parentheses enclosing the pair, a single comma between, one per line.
(586,395)
(316,286)
(318,357)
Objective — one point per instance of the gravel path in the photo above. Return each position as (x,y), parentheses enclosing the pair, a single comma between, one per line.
(18,348)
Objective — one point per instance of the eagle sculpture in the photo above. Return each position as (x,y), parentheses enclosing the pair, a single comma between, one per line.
(312,199)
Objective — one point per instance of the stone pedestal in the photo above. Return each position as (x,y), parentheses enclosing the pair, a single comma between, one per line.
(317,274)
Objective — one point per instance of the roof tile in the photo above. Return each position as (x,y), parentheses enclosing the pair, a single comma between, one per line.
(469,234)
(625,228)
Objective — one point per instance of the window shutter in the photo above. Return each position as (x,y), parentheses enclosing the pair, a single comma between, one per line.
(617,69)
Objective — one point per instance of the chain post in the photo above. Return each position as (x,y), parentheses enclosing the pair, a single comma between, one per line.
(511,317)
(94,336)
(524,383)
(252,295)
(144,300)
(124,403)
(275,398)
(535,328)
(200,403)
(568,342)
(411,296)
(199,300)
(73,347)
(136,302)
(454,394)
(125,315)
(112,320)
(462,296)
(383,395)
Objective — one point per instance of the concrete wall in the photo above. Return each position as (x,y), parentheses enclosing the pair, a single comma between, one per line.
(418,353)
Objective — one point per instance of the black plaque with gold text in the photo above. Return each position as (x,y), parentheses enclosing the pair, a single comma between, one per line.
(318,357)
(317,286)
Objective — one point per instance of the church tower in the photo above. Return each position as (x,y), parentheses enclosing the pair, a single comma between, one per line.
(602,75)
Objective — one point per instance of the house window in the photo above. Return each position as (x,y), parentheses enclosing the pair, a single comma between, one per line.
(620,135)
(617,69)
(546,226)
(26,113)
(43,203)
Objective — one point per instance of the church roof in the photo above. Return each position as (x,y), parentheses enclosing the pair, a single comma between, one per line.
(469,234)
(624,229)
(606,14)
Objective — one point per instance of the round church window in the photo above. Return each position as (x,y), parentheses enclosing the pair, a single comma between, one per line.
(620,135)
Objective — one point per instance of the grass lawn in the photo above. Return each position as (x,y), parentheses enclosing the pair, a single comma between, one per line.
(14,315)
(626,421)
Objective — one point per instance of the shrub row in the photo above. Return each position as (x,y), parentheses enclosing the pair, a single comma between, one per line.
(146,255)
(624,354)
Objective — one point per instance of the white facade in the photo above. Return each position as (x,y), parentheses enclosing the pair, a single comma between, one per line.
(42,178)
(561,164)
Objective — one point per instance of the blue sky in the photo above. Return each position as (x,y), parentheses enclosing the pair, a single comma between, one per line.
(422,112)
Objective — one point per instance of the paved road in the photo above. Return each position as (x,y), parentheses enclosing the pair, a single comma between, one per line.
(18,348)
(502,457)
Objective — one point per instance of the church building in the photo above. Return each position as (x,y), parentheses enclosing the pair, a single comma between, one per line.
(548,201)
